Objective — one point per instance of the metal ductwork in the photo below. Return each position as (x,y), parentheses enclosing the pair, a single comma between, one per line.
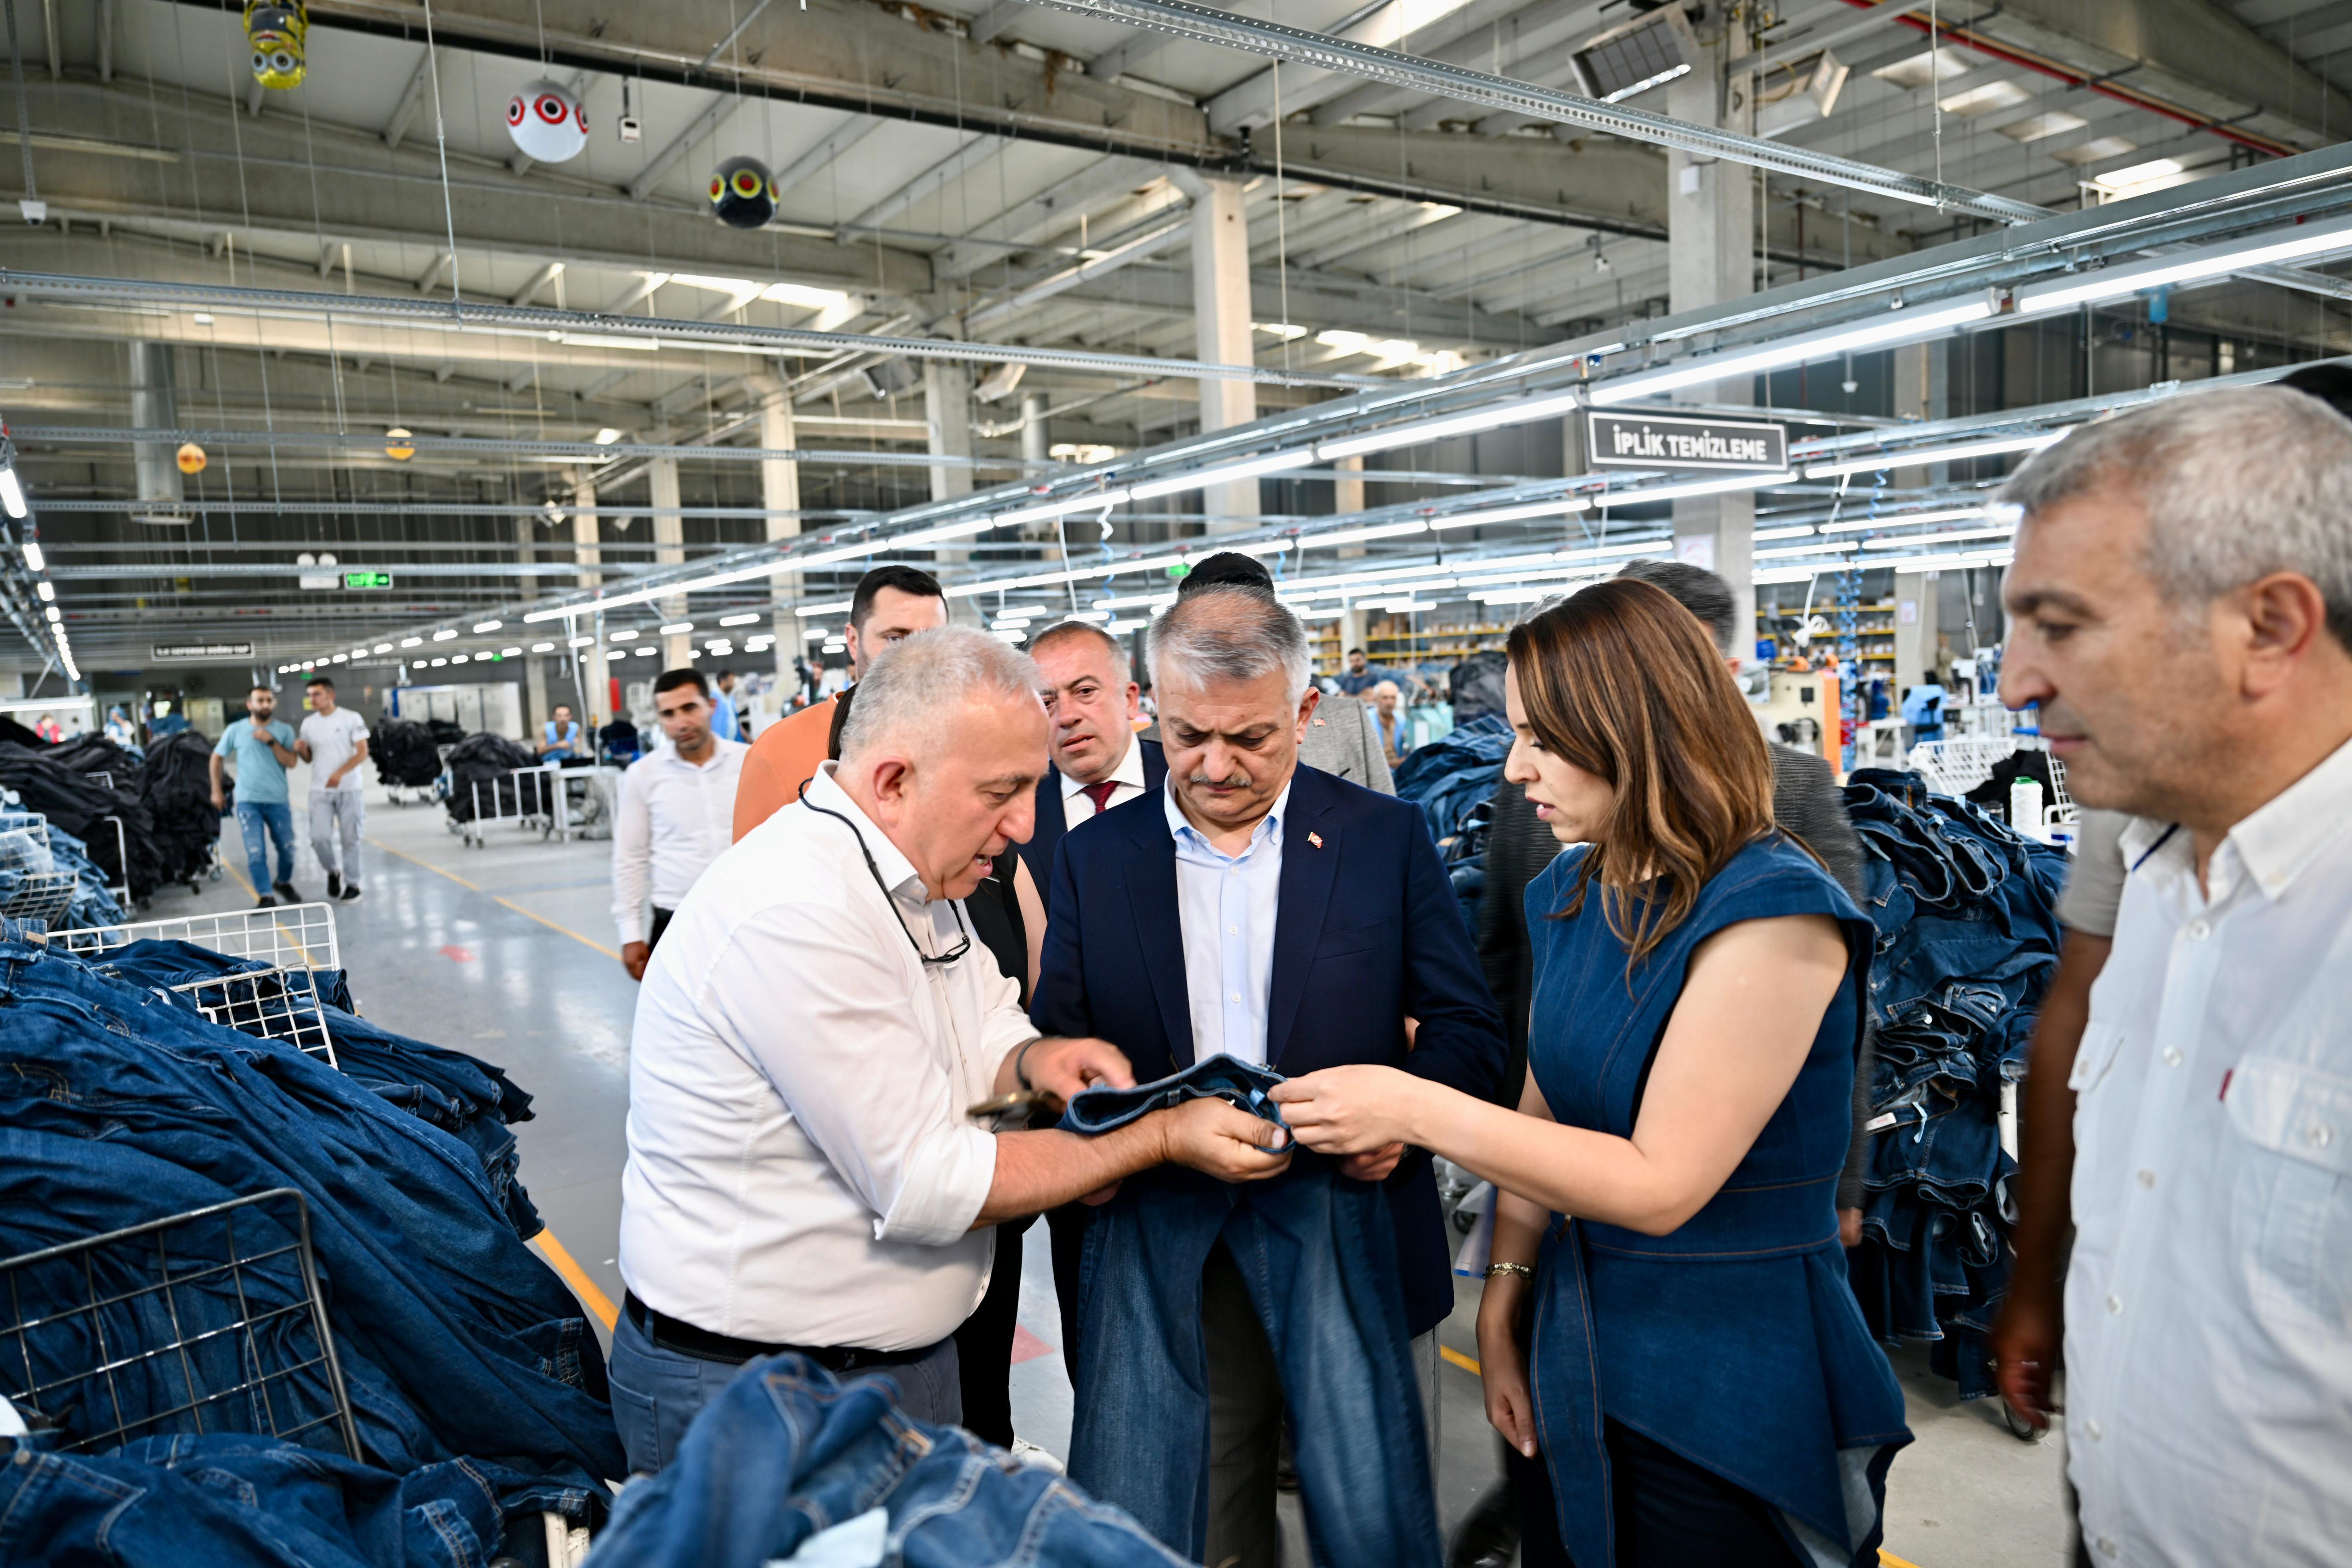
(154,406)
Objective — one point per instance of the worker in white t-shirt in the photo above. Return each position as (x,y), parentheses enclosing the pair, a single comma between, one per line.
(334,742)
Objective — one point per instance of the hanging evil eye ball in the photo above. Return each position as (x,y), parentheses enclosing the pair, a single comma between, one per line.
(276,33)
(547,122)
(743,193)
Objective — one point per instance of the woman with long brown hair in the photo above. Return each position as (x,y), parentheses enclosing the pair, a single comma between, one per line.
(1666,1318)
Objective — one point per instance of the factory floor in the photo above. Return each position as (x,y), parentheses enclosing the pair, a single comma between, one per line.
(507,951)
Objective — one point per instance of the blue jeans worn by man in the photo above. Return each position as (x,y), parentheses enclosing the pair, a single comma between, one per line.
(275,816)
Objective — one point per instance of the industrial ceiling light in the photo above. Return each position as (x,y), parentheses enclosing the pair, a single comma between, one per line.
(1696,487)
(444,635)
(743,620)
(1903,519)
(33,558)
(1220,474)
(1360,536)
(488,625)
(1903,325)
(2210,263)
(1920,457)
(1515,411)
(12,493)
(1561,508)
(676,629)
(45,590)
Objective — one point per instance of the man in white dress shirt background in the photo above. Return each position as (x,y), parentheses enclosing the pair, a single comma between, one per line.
(805,1172)
(676,815)
(2181,610)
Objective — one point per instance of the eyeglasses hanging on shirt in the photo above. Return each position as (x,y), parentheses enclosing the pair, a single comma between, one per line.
(875,872)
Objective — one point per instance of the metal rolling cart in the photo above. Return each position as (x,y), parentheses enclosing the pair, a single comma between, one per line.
(524,796)
(583,801)
(40,891)
(280,1000)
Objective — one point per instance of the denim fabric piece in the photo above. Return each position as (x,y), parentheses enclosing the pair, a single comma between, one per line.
(1318,1254)
(1968,941)
(118,1107)
(239,1502)
(788,1451)
(455,1092)
(1228,1078)
(1452,776)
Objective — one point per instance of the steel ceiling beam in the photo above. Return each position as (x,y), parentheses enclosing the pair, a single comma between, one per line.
(1504,95)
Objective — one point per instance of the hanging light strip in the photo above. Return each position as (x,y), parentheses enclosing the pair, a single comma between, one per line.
(2204,264)
(1920,457)
(1905,325)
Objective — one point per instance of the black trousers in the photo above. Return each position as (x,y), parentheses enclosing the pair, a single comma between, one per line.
(1670,1513)
(984,1343)
(660,924)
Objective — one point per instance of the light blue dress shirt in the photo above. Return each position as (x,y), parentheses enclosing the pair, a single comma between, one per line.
(1226,905)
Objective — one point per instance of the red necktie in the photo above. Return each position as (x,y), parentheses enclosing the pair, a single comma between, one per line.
(1100,794)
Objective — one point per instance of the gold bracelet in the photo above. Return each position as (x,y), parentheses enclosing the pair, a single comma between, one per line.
(1522,1269)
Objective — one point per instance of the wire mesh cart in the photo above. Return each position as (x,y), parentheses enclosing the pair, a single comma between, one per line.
(280,1000)
(209,1320)
(37,888)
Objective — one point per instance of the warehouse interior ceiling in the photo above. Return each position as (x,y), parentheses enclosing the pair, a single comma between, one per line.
(1024,185)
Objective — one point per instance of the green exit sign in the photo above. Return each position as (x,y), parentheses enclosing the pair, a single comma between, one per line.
(367,580)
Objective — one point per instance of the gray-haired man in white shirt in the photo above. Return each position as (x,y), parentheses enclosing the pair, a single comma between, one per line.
(2181,609)
(806,1170)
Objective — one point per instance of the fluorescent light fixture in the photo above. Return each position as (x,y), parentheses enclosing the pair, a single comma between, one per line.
(1560,508)
(625,634)
(945,531)
(1089,615)
(1875,333)
(455,658)
(52,613)
(1696,488)
(12,497)
(1519,411)
(33,560)
(444,635)
(1901,519)
(1007,622)
(720,645)
(1957,535)
(1221,474)
(746,618)
(606,437)
(435,664)
(45,590)
(1091,500)
(383,648)
(411,641)
(1920,457)
(1135,625)
(835,647)
(582,642)
(1358,536)
(2292,242)
(816,632)
(1794,531)
(830,606)
(1833,548)
(542,647)
(715,579)
(1319,614)
(676,629)
(1010,633)
(1022,613)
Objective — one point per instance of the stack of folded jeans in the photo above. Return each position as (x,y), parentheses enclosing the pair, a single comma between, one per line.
(1451,779)
(791,1464)
(94,902)
(119,1104)
(1966,912)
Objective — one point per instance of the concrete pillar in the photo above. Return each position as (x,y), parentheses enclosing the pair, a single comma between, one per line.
(1711,258)
(595,677)
(1914,629)
(670,549)
(1347,495)
(1033,427)
(780,492)
(946,411)
(1922,392)
(534,667)
(1221,312)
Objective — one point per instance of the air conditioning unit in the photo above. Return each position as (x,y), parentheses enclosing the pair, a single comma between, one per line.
(892,377)
(1635,56)
(1806,90)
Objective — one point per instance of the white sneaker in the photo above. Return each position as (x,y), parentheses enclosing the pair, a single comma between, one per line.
(1035,1458)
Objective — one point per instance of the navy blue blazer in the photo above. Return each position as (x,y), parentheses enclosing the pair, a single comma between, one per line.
(1046,836)
(1367,934)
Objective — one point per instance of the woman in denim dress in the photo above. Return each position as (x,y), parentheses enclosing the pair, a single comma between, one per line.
(1667,1323)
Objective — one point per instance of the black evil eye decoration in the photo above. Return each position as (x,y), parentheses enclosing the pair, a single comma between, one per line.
(743,193)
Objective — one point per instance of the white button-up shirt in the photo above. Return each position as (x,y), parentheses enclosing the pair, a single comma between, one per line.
(1226,905)
(2208,1303)
(675,817)
(1077,806)
(800,1168)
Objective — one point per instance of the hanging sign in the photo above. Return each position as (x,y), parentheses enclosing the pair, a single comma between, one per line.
(367,580)
(207,650)
(1661,441)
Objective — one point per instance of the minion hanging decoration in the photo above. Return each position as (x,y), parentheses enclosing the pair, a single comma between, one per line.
(743,193)
(276,29)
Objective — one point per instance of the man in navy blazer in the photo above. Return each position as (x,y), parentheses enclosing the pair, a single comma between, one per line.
(1276,913)
(1099,759)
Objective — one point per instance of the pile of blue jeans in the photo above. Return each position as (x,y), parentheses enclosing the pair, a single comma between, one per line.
(1451,779)
(791,1463)
(119,1104)
(1966,912)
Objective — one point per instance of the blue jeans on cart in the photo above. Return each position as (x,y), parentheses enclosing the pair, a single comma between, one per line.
(1316,1253)
(278,818)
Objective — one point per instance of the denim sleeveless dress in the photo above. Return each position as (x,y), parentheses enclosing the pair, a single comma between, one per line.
(1736,1341)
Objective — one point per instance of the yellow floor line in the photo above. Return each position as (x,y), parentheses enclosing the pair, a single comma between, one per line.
(510,904)
(245,882)
(595,1300)
(1888,1560)
(1458,1359)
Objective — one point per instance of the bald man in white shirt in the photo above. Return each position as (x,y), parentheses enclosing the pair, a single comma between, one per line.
(810,1168)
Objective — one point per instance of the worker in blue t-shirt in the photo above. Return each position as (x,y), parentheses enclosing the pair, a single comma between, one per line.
(263,749)
(561,735)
